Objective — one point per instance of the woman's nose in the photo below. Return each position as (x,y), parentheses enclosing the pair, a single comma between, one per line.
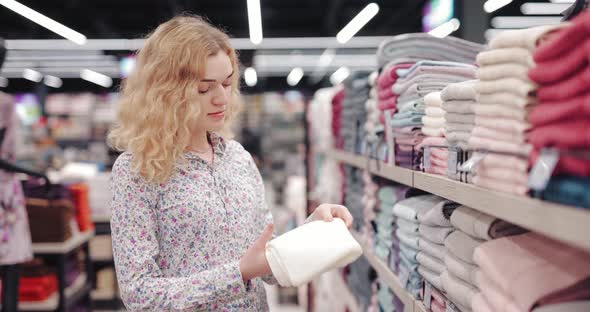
(220,96)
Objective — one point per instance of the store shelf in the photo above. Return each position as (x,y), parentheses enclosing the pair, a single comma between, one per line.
(557,221)
(386,275)
(72,294)
(63,247)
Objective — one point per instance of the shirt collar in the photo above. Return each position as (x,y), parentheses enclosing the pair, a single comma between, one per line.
(218,144)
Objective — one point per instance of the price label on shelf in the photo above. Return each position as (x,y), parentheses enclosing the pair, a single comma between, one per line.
(427,157)
(543,168)
(427,295)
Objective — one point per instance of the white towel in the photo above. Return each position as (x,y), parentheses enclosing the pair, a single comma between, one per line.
(433,122)
(434,111)
(433,99)
(498,110)
(458,106)
(463,270)
(431,276)
(505,98)
(460,118)
(435,234)
(499,71)
(433,132)
(510,85)
(300,255)
(430,262)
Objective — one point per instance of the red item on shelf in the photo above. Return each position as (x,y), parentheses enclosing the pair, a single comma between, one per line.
(573,86)
(563,67)
(560,111)
(566,40)
(81,200)
(37,288)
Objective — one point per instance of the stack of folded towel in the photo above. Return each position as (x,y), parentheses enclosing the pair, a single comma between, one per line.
(388,301)
(421,230)
(421,46)
(406,127)
(562,117)
(373,124)
(472,229)
(458,101)
(369,201)
(386,244)
(337,118)
(320,119)
(519,273)
(354,113)
(504,99)
(434,129)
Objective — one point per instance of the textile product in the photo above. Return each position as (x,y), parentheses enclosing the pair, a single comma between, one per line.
(389,75)
(434,111)
(575,306)
(504,161)
(438,67)
(568,190)
(459,91)
(458,291)
(493,134)
(559,69)
(435,141)
(480,304)
(502,174)
(435,122)
(504,70)
(560,111)
(407,226)
(562,275)
(483,226)
(423,79)
(506,98)
(435,306)
(460,118)
(498,110)
(458,106)
(433,99)
(150,268)
(511,85)
(565,89)
(454,127)
(494,296)
(478,143)
(329,244)
(568,39)
(428,209)
(433,132)
(492,57)
(553,134)
(430,276)
(527,38)
(409,253)
(435,234)
(458,136)
(430,262)
(412,106)
(385,94)
(436,250)
(459,268)
(407,238)
(506,125)
(462,245)
(373,78)
(500,185)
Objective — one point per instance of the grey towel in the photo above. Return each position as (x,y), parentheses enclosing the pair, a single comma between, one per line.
(458,292)
(435,234)
(483,226)
(460,268)
(430,262)
(458,106)
(431,276)
(460,118)
(462,245)
(435,250)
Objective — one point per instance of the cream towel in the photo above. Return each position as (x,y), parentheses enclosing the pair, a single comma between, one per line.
(478,143)
(408,238)
(461,269)
(510,85)
(457,136)
(435,234)
(459,91)
(505,98)
(480,304)
(503,174)
(433,122)
(494,134)
(407,226)
(435,250)
(499,71)
(300,255)
(462,245)
(373,78)
(454,127)
(434,111)
(527,38)
(480,225)
(504,161)
(430,276)
(458,291)
(460,118)
(430,262)
(373,93)
(508,55)
(505,125)
(433,132)
(433,99)
(458,106)
(498,110)
(500,185)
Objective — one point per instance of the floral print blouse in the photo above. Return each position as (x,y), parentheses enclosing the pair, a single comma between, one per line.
(177,245)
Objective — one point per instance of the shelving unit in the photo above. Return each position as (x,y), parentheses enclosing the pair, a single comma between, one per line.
(63,247)
(557,221)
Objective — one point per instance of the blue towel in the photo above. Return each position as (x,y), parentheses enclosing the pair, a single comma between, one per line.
(569,190)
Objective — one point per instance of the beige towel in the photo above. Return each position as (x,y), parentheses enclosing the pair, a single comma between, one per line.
(519,164)
(460,118)
(453,127)
(458,136)
(479,143)
(527,38)
(459,91)
(433,132)
(503,174)
(497,110)
(505,98)
(462,245)
(508,55)
(430,262)
(461,269)
(458,106)
(433,99)
(430,276)
(435,250)
(434,111)
(499,71)
(506,125)
(510,85)
(480,225)
(458,291)
(494,134)
(433,122)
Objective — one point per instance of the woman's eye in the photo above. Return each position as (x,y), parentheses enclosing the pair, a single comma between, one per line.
(203,91)
(225,85)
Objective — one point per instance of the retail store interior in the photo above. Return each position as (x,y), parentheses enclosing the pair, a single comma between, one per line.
(455,132)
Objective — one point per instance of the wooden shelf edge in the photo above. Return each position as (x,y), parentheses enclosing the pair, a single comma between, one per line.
(63,247)
(419,307)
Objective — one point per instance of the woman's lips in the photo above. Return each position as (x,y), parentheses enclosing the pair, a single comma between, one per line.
(217,115)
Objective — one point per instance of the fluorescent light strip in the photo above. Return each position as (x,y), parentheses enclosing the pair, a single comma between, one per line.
(494,5)
(255,21)
(535,8)
(445,29)
(250,77)
(97,78)
(52,81)
(360,20)
(339,75)
(32,75)
(3,82)
(295,76)
(45,21)
(523,21)
(563,1)
(12,64)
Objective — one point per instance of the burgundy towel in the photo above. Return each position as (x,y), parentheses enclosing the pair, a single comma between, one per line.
(565,89)
(566,40)
(385,94)
(567,134)
(563,67)
(560,111)
(566,164)
(390,103)
(389,75)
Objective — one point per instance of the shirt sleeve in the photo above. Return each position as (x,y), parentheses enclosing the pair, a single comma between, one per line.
(135,250)
(266,214)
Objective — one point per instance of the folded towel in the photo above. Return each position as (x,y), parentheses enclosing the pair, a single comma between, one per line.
(458,291)
(498,300)
(508,55)
(506,70)
(527,38)
(373,78)
(560,111)
(462,245)
(459,91)
(458,136)
(504,161)
(389,75)
(435,250)
(488,133)
(479,304)
(511,85)
(568,39)
(478,143)
(433,132)
(414,106)
(454,127)
(575,306)
(503,174)
(409,253)
(460,268)
(434,141)
(410,208)
(431,263)
(385,94)
(433,99)
(506,125)
(425,79)
(458,106)
(483,226)
(407,225)
(559,69)
(544,275)
(298,256)
(505,98)
(407,238)
(460,118)
(437,67)
(432,111)
(573,86)
(498,110)
(430,276)
(568,190)
(433,122)
(500,185)
(435,234)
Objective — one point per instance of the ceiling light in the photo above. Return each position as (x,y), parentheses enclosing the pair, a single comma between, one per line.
(3,82)
(357,22)
(494,5)
(533,8)
(95,77)
(523,21)
(255,21)
(563,1)
(32,75)
(445,29)
(44,21)
(52,81)
(250,77)
(338,76)
(295,76)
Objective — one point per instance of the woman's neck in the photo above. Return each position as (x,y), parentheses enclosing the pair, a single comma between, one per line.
(200,142)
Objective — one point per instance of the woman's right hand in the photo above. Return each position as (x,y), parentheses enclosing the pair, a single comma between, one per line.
(253,263)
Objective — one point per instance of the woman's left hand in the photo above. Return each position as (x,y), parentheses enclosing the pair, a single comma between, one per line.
(328,212)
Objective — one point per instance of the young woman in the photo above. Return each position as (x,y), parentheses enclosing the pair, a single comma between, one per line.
(189,223)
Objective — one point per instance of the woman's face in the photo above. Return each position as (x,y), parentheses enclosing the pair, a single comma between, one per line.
(215,92)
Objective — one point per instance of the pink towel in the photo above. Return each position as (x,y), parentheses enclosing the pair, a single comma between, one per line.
(438,297)
(479,143)
(390,103)
(559,111)
(504,161)
(528,268)
(437,307)
(563,67)
(385,94)
(500,185)
(494,296)
(494,134)
(502,174)
(389,75)
(501,124)
(567,134)
(575,85)
(479,304)
(568,39)
(499,110)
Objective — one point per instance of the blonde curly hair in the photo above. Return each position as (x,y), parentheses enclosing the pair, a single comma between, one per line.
(157,106)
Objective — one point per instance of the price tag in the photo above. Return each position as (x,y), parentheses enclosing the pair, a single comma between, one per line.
(452,162)
(471,163)
(404,275)
(543,168)
(427,295)
(426,157)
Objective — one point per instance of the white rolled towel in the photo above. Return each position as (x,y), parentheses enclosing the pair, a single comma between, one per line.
(300,255)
